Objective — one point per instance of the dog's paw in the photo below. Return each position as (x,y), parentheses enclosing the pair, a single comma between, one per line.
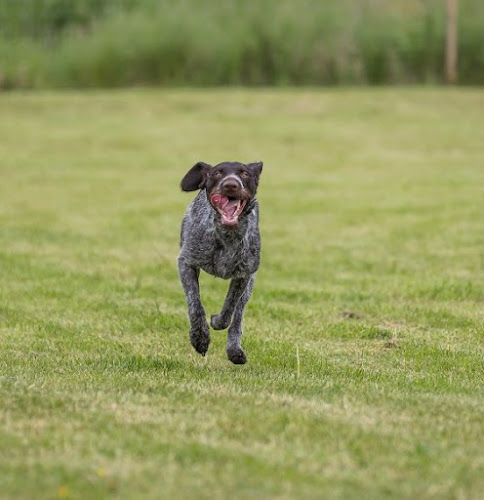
(236,355)
(218,322)
(200,339)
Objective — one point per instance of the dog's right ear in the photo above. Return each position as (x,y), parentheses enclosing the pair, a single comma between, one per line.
(196,177)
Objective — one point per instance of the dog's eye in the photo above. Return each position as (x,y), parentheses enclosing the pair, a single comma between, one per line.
(244,174)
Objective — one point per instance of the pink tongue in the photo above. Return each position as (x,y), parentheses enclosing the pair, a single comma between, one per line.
(218,199)
(230,207)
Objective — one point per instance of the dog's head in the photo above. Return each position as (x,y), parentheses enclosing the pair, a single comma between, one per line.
(231,187)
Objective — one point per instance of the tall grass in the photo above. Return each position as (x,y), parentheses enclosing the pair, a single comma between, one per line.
(129,42)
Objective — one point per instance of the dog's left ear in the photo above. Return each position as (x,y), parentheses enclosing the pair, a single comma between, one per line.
(195,178)
(255,168)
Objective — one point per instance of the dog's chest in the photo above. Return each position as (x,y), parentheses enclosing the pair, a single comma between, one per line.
(232,261)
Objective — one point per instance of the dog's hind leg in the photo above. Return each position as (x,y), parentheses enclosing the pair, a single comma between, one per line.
(199,333)
(234,337)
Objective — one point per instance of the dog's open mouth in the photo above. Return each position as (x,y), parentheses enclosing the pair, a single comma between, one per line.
(228,208)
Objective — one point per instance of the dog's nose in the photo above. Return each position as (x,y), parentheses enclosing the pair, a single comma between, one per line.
(230,185)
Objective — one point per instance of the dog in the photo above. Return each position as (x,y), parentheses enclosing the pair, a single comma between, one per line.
(220,235)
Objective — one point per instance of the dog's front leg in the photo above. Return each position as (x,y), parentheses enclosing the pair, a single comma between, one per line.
(234,350)
(199,333)
(236,289)
(232,314)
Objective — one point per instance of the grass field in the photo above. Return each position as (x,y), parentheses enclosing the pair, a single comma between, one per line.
(364,335)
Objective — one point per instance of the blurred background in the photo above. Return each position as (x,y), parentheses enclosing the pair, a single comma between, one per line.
(113,43)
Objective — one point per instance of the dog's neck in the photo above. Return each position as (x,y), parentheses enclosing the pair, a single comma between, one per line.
(231,233)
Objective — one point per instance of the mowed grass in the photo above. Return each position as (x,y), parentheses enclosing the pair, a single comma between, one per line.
(364,334)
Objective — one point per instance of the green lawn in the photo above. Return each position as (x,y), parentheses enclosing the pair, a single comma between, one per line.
(364,336)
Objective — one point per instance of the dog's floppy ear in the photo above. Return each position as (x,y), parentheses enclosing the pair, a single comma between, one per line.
(195,178)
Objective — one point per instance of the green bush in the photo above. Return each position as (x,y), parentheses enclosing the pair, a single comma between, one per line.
(89,43)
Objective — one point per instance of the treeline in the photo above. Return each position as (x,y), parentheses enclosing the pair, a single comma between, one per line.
(108,43)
